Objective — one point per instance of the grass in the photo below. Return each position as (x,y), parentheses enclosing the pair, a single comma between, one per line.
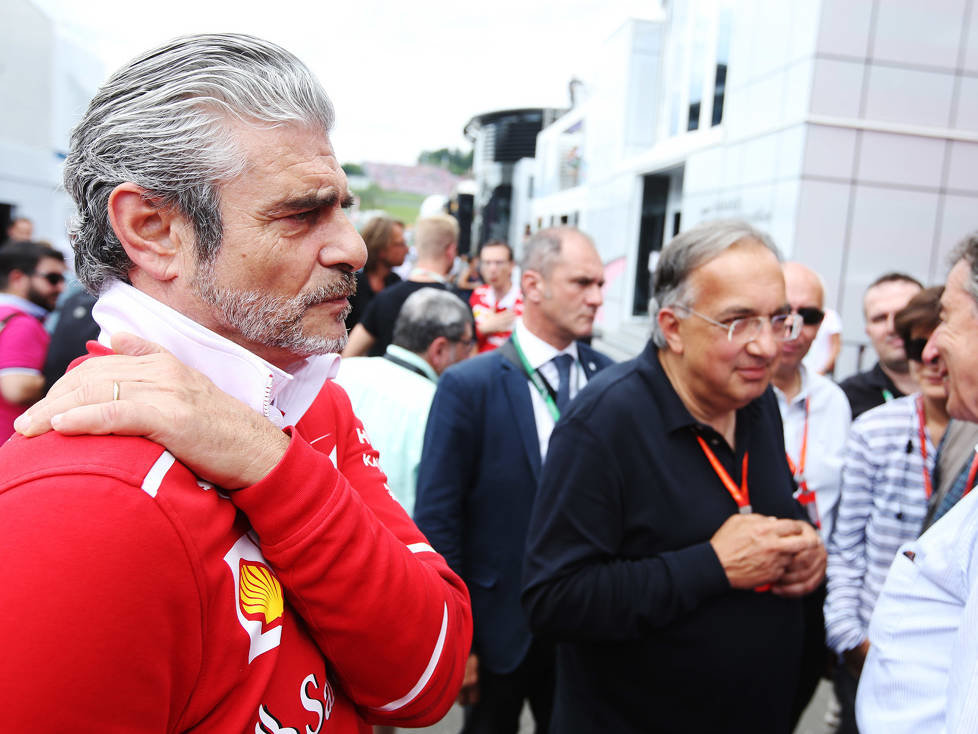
(398,204)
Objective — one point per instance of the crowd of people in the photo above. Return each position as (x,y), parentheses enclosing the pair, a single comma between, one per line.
(476,505)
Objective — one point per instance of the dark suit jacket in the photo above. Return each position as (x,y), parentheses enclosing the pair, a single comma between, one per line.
(478,477)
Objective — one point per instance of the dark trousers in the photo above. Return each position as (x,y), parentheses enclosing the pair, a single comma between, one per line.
(814,654)
(845,691)
(501,695)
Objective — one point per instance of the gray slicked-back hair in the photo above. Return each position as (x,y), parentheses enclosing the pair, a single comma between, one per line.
(428,314)
(688,251)
(163,122)
(542,251)
(967,250)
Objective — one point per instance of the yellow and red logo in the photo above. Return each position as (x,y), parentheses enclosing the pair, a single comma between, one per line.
(259,603)
(260,594)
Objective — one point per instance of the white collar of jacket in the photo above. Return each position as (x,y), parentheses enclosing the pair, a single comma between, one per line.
(278,395)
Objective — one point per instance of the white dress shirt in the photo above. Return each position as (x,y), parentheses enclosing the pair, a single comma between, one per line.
(539,354)
(280,396)
(921,674)
(829,418)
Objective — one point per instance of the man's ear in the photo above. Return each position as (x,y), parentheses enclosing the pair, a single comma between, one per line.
(155,237)
(18,282)
(669,324)
(437,354)
(531,285)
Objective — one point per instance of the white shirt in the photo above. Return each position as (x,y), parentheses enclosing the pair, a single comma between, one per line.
(280,396)
(921,674)
(539,354)
(829,418)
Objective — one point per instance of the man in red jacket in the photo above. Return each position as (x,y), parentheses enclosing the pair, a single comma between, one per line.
(234,562)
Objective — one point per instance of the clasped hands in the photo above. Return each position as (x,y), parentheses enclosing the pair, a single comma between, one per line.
(757,550)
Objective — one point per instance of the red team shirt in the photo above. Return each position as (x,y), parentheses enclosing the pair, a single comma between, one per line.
(483,303)
(140,599)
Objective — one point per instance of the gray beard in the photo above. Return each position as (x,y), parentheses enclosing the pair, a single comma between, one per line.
(275,321)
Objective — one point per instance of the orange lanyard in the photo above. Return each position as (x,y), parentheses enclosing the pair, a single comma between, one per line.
(740,494)
(805,497)
(921,424)
(799,472)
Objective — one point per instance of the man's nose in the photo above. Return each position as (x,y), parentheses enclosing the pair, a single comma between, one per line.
(765,345)
(342,244)
(594,295)
(931,352)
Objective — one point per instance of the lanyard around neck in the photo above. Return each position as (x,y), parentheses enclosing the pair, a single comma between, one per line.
(424,272)
(740,494)
(798,471)
(546,393)
(805,497)
(921,432)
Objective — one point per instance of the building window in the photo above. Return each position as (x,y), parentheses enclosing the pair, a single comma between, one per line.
(724,21)
(655,194)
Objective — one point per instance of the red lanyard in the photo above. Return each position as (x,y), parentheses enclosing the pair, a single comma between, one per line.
(740,494)
(921,424)
(805,497)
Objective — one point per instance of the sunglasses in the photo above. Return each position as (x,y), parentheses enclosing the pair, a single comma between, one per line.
(52,278)
(915,349)
(810,316)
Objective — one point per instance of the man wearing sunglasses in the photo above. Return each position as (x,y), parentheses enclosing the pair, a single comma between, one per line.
(31,279)
(814,409)
(665,551)
(816,419)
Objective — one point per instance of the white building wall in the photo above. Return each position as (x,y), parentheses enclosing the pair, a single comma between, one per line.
(47,82)
(850,133)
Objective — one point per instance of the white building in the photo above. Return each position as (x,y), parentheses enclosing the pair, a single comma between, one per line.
(47,82)
(848,129)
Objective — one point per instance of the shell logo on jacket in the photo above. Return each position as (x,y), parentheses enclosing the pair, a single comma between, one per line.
(260,594)
(259,604)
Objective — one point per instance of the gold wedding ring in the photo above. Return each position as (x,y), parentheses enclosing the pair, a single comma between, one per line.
(115,390)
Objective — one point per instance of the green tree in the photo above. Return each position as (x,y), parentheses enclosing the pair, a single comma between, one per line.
(451,159)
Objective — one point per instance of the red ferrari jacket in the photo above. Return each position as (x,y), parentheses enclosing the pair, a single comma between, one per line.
(138,598)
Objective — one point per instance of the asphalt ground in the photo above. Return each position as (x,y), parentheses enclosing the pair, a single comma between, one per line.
(813,721)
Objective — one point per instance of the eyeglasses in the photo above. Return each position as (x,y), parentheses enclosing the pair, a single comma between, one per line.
(784,326)
(915,348)
(52,278)
(810,315)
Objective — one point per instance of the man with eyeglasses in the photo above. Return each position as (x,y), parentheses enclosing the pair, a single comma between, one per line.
(32,276)
(392,394)
(666,553)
